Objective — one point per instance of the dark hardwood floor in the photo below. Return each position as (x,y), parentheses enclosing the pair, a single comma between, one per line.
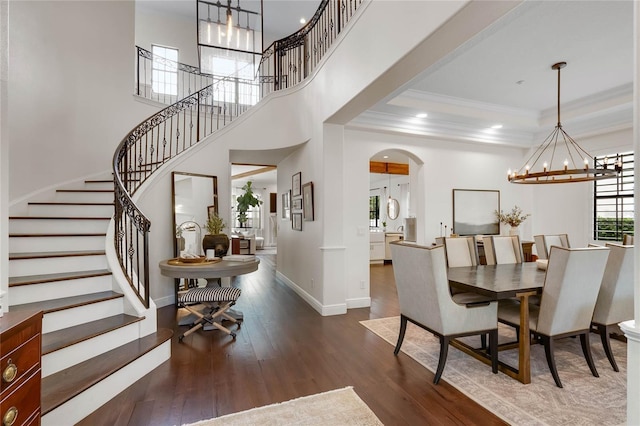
(284,350)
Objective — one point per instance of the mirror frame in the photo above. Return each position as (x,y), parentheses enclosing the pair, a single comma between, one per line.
(214,181)
(393,213)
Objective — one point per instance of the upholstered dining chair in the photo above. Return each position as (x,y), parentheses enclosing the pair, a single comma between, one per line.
(627,240)
(571,286)
(423,292)
(461,251)
(615,299)
(502,249)
(544,243)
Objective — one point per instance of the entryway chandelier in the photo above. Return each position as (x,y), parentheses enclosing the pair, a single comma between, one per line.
(543,166)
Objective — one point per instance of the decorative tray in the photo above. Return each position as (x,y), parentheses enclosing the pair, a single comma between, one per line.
(179,261)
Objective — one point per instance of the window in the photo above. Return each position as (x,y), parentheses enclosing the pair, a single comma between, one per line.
(374,211)
(165,70)
(613,202)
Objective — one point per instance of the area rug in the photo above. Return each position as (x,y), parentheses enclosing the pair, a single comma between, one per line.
(584,400)
(336,407)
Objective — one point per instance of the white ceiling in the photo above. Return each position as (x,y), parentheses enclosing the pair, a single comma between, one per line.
(503,76)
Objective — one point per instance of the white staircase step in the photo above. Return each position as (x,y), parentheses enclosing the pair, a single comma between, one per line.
(86,349)
(84,195)
(99,184)
(71,209)
(24,243)
(57,225)
(33,289)
(25,264)
(71,311)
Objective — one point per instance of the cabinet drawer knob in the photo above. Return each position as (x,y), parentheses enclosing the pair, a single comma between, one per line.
(10,372)
(10,417)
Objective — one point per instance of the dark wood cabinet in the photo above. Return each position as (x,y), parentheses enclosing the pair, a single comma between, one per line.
(20,356)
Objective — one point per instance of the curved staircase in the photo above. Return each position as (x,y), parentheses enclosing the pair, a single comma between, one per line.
(94,342)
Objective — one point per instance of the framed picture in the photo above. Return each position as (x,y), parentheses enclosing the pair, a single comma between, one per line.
(285,205)
(296,223)
(295,184)
(474,212)
(307,201)
(297,204)
(211,210)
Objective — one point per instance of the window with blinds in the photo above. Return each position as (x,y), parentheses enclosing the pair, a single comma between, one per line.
(613,201)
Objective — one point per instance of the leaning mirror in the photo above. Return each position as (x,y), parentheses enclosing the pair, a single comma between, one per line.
(393,208)
(194,197)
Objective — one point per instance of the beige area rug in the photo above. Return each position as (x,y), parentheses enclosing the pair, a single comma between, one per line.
(336,407)
(584,400)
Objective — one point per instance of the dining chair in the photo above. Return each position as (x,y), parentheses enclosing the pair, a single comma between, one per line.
(627,240)
(571,286)
(615,299)
(502,249)
(544,243)
(461,251)
(423,293)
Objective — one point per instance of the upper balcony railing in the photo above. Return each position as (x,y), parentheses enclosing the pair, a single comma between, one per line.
(290,60)
(200,105)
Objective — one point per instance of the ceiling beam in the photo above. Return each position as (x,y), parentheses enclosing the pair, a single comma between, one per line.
(254,172)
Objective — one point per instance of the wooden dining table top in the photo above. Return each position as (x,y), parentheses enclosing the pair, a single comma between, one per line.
(498,281)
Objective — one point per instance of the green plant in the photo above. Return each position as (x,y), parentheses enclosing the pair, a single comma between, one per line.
(514,218)
(246,201)
(215,224)
(384,224)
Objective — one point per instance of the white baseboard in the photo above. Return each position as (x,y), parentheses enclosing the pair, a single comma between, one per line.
(324,310)
(360,302)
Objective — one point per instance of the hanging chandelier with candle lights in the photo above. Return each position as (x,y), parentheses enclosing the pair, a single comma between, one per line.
(559,159)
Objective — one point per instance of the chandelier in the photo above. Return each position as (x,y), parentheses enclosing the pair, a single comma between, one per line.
(229,38)
(543,166)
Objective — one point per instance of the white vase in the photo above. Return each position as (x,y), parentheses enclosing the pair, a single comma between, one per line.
(514,230)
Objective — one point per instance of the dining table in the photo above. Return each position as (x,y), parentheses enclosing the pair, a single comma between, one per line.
(500,282)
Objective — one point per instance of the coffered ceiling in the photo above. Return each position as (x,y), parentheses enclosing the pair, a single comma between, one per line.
(503,77)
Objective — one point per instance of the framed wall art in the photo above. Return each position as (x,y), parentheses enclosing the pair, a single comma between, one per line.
(296,222)
(295,184)
(297,204)
(307,201)
(474,212)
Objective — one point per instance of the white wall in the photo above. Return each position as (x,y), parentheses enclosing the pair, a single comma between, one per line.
(438,168)
(152,26)
(4,152)
(69,92)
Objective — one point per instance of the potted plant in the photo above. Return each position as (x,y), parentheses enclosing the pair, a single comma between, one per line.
(513,218)
(215,239)
(246,201)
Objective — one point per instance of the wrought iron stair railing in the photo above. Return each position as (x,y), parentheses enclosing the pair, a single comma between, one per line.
(215,101)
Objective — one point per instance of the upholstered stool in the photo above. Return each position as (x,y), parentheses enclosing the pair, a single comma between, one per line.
(217,299)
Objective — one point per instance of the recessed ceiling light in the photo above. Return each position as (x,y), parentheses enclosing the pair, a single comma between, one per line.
(303,21)
(422,115)
(385,156)
(497,126)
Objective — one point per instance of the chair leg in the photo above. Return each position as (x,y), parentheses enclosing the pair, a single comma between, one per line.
(548,350)
(493,349)
(483,341)
(403,328)
(603,330)
(586,350)
(444,349)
